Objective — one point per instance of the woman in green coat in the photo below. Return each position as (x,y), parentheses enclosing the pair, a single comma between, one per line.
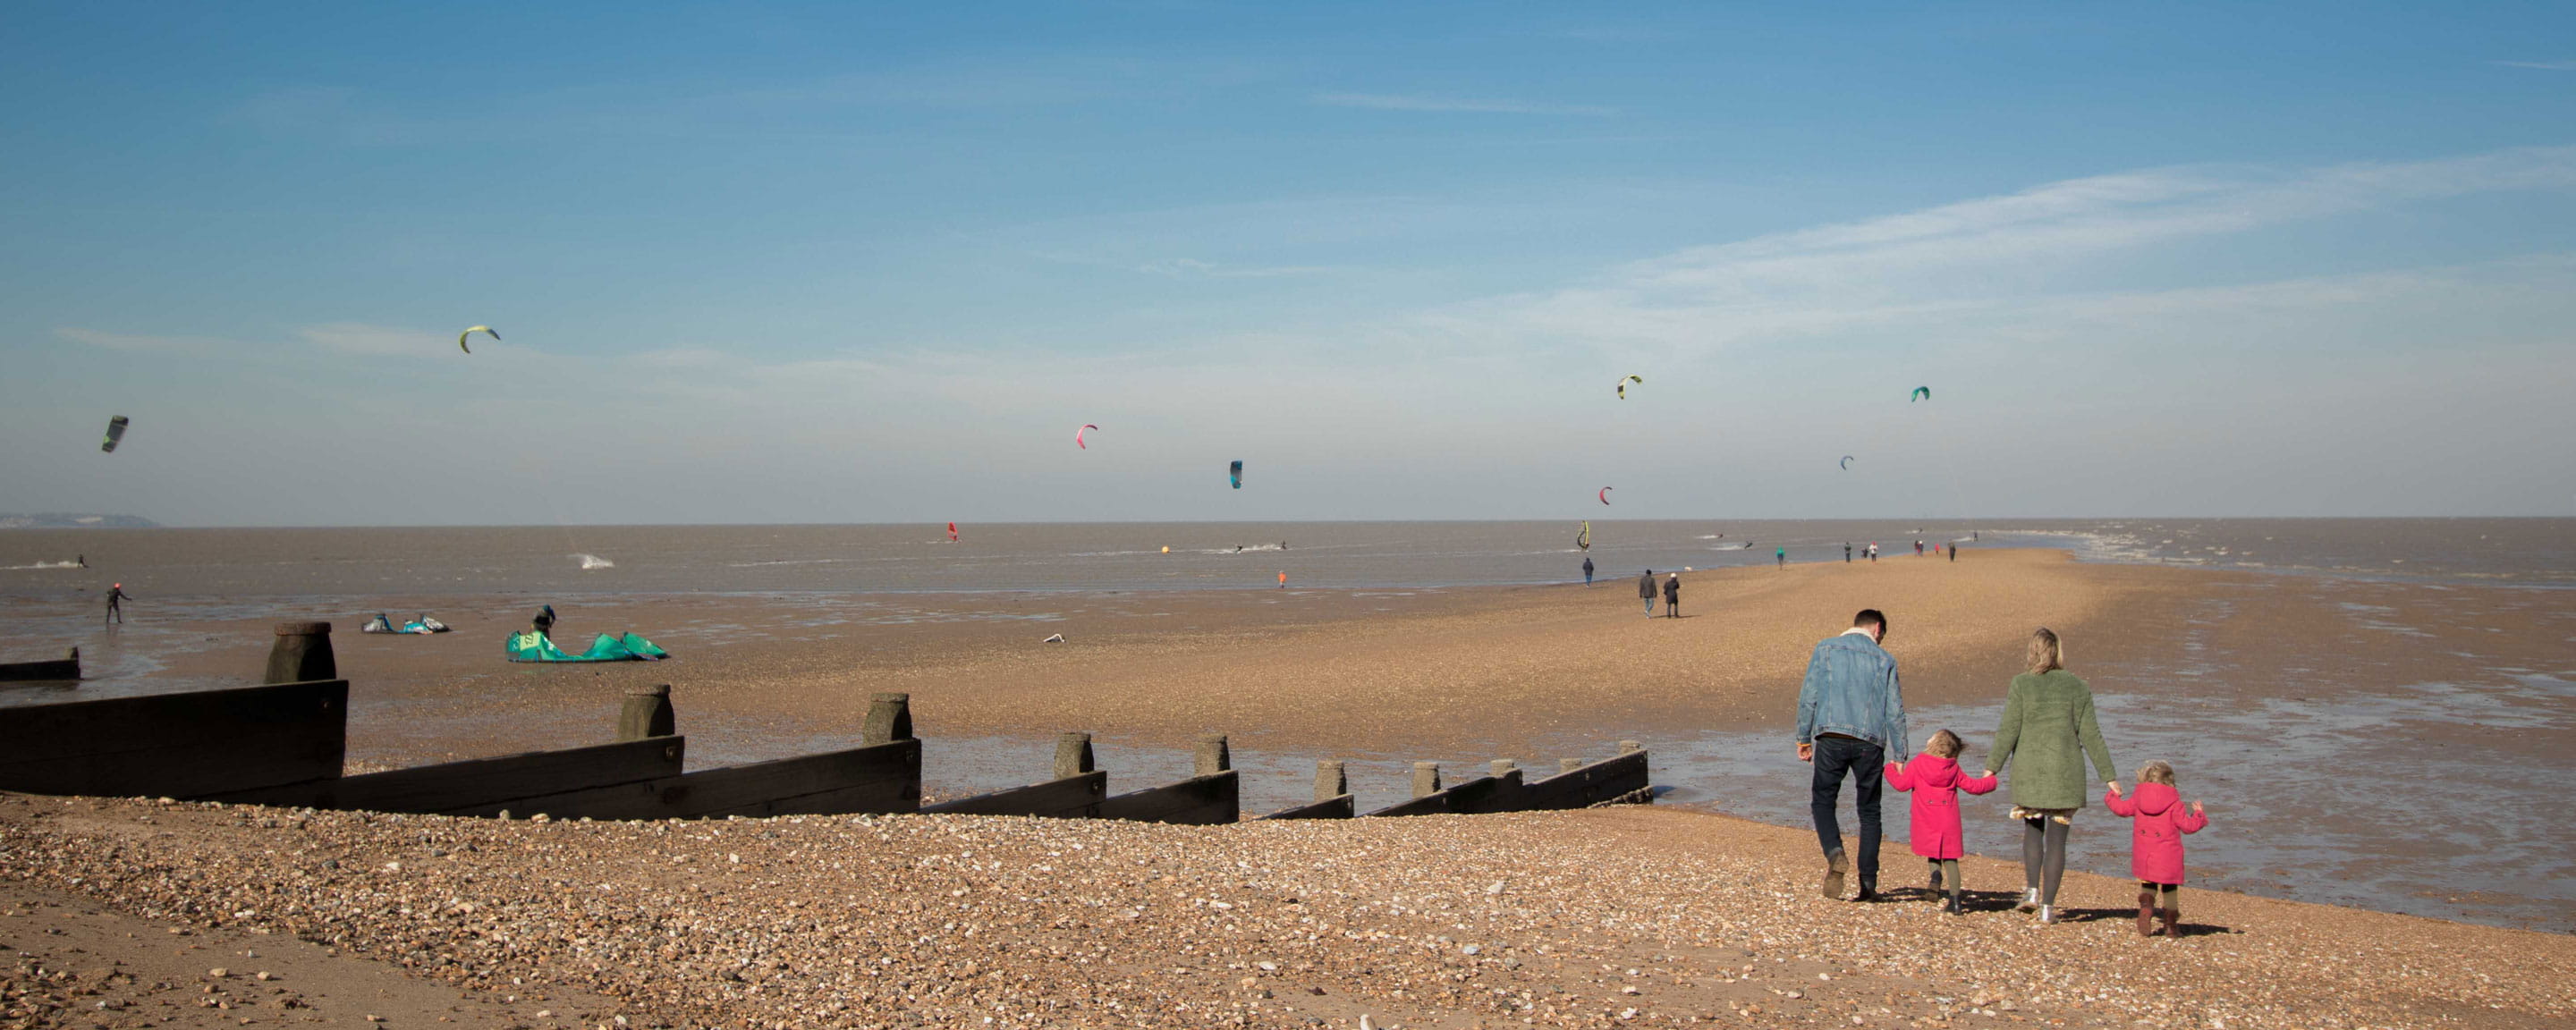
(2048,725)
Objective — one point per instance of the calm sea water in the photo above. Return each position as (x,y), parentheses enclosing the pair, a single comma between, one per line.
(570,561)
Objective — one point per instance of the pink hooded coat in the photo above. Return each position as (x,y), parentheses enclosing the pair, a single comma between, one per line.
(1936,783)
(2155,837)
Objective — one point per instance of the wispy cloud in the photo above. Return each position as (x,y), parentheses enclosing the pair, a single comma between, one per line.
(1986,253)
(2547,66)
(1456,105)
(140,344)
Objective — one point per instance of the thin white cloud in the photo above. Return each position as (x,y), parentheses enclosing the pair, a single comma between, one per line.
(1987,252)
(1454,105)
(2547,66)
(140,343)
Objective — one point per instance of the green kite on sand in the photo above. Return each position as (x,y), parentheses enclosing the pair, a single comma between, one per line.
(532,646)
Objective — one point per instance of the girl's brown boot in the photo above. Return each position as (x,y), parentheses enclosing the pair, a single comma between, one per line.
(2146,913)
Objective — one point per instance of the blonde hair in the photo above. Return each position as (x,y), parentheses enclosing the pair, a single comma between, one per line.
(2044,651)
(1945,744)
(2156,772)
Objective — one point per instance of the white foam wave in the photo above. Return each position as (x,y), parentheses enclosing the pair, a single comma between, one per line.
(49,565)
(593,561)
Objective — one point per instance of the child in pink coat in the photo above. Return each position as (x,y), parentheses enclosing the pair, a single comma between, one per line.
(2155,842)
(1934,777)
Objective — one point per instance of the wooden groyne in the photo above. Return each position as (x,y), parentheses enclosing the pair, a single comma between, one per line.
(67,668)
(283,744)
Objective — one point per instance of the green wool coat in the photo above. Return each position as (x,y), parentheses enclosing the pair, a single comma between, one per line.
(2048,725)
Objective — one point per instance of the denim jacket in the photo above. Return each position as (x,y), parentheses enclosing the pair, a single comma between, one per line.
(1851,689)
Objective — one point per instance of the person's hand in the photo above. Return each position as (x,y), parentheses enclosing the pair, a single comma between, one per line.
(2195,808)
(1986,775)
(1806,752)
(2115,786)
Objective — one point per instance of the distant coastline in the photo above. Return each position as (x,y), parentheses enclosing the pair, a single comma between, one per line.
(75,520)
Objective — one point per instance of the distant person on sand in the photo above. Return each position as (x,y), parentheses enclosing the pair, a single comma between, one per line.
(2155,843)
(1935,780)
(1646,590)
(1673,595)
(1954,551)
(2048,725)
(1873,553)
(1283,579)
(1780,555)
(116,604)
(1846,552)
(1851,721)
(545,622)
(1587,570)
(1918,547)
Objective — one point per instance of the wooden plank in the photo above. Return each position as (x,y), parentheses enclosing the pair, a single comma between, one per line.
(884,778)
(177,745)
(1480,795)
(482,783)
(1210,800)
(1590,785)
(1342,807)
(1074,797)
(58,669)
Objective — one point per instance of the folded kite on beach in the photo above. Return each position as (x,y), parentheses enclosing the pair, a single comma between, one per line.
(532,646)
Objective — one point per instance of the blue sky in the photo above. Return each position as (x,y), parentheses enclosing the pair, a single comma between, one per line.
(828,263)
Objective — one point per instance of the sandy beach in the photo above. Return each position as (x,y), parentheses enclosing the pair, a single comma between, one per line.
(663,925)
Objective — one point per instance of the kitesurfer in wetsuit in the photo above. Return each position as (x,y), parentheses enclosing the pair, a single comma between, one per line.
(545,622)
(116,603)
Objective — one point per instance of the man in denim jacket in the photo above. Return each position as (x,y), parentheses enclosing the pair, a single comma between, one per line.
(1851,719)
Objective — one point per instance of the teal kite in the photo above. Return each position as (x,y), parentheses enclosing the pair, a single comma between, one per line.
(1921,393)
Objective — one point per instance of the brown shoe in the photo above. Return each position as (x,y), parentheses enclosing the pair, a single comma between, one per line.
(2173,922)
(2146,913)
(1835,865)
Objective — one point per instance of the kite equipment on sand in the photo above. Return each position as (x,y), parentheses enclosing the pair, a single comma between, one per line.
(952,532)
(532,646)
(422,626)
(115,434)
(1623,385)
(1605,495)
(1077,435)
(1584,539)
(1234,474)
(1921,393)
(471,330)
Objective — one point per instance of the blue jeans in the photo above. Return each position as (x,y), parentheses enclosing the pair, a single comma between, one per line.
(1650,606)
(1864,762)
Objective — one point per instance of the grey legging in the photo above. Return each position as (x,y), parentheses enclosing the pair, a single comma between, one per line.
(2043,856)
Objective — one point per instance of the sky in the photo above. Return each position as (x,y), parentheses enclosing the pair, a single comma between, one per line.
(782,263)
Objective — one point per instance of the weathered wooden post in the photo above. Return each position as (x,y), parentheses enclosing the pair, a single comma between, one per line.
(1627,746)
(1500,766)
(1567,765)
(1426,779)
(1212,757)
(1072,755)
(647,714)
(302,654)
(889,719)
(1331,781)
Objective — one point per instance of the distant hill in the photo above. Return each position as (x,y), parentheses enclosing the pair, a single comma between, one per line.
(75,520)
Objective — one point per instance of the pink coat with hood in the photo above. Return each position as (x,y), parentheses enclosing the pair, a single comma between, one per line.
(1936,783)
(2155,835)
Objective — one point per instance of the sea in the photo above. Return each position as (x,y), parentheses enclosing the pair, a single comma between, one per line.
(565,561)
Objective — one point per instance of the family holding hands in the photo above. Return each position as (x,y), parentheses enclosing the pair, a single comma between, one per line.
(1851,716)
